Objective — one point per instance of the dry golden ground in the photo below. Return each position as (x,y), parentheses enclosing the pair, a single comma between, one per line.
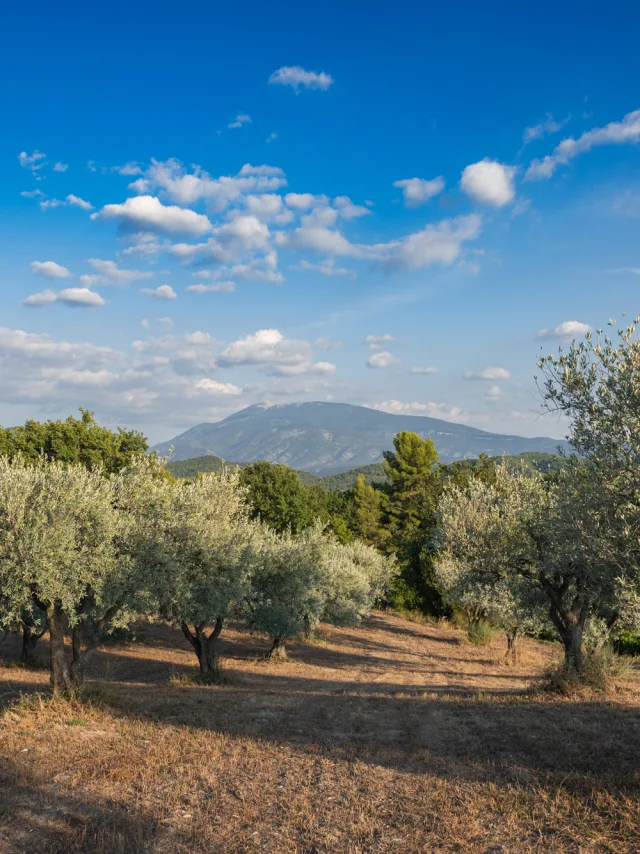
(393,737)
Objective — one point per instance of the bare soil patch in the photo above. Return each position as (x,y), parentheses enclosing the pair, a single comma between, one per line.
(392,737)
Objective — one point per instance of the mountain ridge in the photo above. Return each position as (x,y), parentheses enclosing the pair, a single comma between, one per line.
(327,438)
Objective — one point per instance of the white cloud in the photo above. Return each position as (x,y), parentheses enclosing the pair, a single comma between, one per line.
(434,244)
(197,337)
(78,202)
(274,354)
(297,77)
(321,217)
(265,345)
(147,213)
(305,201)
(326,267)
(212,288)
(51,203)
(34,161)
(382,359)
(186,188)
(240,119)
(32,194)
(108,273)
(68,296)
(161,292)
(547,126)
(60,167)
(489,182)
(129,169)
(50,270)
(418,191)
(494,392)
(429,409)
(425,370)
(217,388)
(308,368)
(70,201)
(271,137)
(321,240)
(229,242)
(377,342)
(632,271)
(624,132)
(566,331)
(268,207)
(40,372)
(491,372)
(347,209)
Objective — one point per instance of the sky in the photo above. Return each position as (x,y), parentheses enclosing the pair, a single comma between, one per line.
(397,205)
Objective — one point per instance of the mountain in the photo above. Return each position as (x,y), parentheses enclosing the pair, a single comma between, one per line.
(326,438)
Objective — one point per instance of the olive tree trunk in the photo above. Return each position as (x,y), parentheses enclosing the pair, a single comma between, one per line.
(570,620)
(278,650)
(30,638)
(61,677)
(205,647)
(512,646)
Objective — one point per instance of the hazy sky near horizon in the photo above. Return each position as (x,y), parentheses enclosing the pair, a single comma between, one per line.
(393,205)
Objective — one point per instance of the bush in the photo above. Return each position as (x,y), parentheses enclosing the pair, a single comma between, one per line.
(481,632)
(627,643)
(600,671)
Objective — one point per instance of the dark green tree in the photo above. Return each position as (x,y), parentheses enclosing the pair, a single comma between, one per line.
(276,496)
(74,440)
(369,513)
(462,472)
(411,503)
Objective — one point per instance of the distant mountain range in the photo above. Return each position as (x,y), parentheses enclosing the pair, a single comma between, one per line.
(327,438)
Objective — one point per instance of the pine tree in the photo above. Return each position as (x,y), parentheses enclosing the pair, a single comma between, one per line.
(412,501)
(368,501)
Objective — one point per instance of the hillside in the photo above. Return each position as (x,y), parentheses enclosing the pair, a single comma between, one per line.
(195,465)
(373,473)
(390,738)
(327,438)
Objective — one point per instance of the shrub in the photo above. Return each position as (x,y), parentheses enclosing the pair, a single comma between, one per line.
(481,632)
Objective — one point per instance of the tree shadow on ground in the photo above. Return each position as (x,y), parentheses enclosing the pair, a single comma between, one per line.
(67,821)
(500,740)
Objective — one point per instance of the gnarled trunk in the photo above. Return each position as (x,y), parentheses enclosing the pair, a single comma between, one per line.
(278,650)
(29,643)
(512,645)
(61,677)
(205,647)
(572,639)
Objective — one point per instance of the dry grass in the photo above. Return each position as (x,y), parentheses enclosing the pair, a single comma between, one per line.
(395,737)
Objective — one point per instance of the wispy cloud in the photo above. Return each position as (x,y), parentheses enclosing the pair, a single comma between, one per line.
(240,119)
(297,77)
(625,132)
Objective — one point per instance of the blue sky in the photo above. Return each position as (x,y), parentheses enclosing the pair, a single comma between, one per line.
(394,205)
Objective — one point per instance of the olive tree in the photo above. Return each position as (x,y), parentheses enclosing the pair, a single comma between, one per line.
(286,596)
(532,535)
(71,546)
(508,603)
(596,384)
(210,542)
(355,576)
(299,580)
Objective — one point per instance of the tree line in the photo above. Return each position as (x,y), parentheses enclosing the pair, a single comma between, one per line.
(95,533)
